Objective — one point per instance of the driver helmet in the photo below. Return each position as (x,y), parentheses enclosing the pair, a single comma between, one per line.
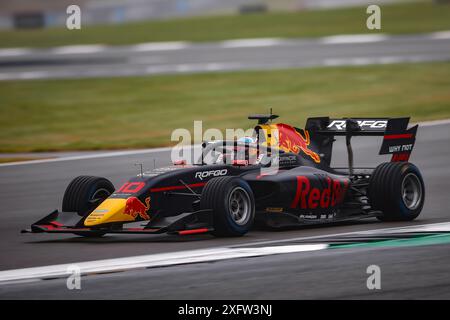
(247,140)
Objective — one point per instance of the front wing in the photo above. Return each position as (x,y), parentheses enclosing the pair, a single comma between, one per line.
(71,222)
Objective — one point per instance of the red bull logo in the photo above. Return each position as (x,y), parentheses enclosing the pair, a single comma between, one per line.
(134,207)
(290,140)
(308,197)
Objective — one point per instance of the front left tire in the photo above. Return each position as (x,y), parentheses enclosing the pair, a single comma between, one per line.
(83,195)
(233,205)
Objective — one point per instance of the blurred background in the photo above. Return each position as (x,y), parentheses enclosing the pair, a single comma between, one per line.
(48,13)
(138,69)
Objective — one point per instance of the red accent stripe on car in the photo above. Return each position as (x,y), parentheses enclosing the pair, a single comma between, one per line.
(398,136)
(400,157)
(194,185)
(193,231)
(51,227)
(47,226)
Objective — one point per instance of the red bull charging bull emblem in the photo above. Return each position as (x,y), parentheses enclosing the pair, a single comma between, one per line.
(135,207)
(291,140)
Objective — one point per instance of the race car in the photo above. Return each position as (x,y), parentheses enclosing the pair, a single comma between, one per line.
(280,177)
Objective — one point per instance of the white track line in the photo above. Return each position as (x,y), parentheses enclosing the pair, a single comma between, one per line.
(12,52)
(431,227)
(237,43)
(154,260)
(440,35)
(202,67)
(433,123)
(89,156)
(79,49)
(358,61)
(160,46)
(27,75)
(353,38)
(31,75)
(364,61)
(251,43)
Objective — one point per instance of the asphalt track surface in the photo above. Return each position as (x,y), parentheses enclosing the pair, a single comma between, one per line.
(86,61)
(407,273)
(30,191)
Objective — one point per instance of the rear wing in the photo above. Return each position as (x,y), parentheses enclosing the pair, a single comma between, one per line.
(398,140)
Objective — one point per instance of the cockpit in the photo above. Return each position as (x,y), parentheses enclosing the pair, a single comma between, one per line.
(237,153)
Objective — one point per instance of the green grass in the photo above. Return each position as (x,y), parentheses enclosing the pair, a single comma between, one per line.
(399,18)
(44,115)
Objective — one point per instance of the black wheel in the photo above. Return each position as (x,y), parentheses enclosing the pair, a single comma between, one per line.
(233,205)
(84,194)
(397,190)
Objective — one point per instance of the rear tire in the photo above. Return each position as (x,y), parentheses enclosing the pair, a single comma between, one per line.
(233,205)
(84,194)
(397,190)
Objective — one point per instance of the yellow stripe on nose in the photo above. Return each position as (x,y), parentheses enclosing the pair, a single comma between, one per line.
(110,210)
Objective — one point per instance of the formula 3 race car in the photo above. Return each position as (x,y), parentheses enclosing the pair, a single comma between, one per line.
(280,176)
